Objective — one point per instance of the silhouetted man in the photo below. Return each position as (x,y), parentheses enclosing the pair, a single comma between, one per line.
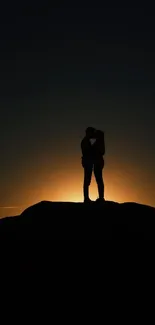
(92,159)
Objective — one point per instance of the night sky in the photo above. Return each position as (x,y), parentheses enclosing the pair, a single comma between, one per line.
(63,69)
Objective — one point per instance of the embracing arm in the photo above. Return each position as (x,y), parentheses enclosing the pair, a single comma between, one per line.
(101,142)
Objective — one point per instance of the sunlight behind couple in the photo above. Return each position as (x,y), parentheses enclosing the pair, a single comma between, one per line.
(119,187)
(72,192)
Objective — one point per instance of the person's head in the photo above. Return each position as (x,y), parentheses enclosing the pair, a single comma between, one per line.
(99,134)
(90,132)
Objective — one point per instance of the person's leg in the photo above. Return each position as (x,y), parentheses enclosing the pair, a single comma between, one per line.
(98,168)
(87,180)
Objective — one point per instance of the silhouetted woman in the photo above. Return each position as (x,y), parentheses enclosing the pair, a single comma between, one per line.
(98,152)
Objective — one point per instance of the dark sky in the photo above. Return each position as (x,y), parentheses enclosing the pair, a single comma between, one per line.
(62,69)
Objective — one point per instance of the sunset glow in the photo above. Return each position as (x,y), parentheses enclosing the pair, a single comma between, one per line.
(119,187)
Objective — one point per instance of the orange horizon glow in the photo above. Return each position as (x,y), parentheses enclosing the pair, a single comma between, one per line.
(122,184)
(119,187)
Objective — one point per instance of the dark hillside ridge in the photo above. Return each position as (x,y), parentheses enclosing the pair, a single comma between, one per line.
(78,221)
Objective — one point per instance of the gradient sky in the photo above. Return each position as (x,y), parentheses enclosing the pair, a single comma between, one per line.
(61,70)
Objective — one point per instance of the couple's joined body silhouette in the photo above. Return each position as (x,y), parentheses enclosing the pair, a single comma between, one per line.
(93,150)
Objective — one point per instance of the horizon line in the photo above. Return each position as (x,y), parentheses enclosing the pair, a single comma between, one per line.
(10,207)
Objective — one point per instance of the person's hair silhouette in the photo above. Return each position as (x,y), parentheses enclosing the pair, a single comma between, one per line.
(92,159)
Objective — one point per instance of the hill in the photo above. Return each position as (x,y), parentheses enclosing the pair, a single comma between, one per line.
(77,221)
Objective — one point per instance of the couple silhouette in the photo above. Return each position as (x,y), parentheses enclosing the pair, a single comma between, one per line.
(93,150)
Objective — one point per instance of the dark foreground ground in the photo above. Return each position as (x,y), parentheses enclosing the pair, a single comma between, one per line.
(77,221)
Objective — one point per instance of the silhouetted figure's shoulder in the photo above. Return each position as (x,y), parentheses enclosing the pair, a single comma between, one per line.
(84,142)
(86,147)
